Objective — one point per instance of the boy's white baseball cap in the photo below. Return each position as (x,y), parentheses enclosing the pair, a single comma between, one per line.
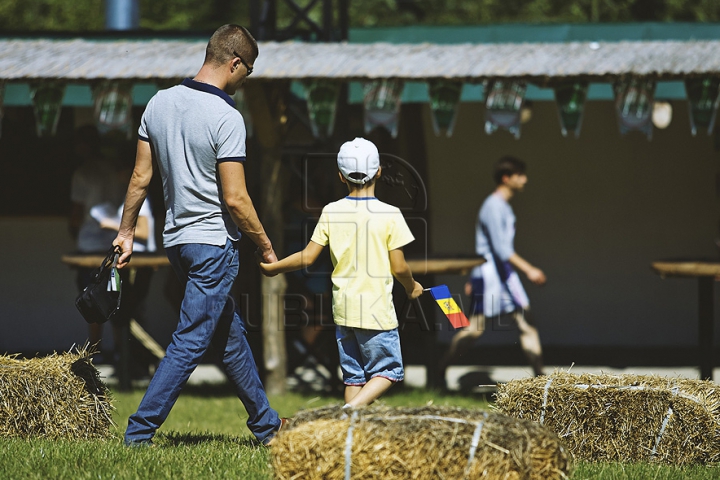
(359,156)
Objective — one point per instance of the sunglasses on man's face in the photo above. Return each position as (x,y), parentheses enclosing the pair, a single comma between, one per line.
(247,67)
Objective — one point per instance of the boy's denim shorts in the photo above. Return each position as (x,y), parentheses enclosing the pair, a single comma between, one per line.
(365,354)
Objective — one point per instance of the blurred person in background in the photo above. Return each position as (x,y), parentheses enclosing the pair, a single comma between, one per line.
(494,287)
(95,186)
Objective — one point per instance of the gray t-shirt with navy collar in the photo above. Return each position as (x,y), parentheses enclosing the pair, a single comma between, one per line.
(191,128)
(495,228)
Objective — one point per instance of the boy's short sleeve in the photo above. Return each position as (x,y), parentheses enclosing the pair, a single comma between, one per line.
(230,145)
(399,233)
(321,234)
(494,222)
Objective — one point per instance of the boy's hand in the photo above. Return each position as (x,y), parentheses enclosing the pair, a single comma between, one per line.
(262,263)
(536,276)
(265,269)
(415,292)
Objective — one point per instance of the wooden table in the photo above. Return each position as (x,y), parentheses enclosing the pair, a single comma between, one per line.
(705,272)
(440,266)
(138,260)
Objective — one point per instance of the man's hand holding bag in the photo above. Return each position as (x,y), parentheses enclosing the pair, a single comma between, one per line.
(100,301)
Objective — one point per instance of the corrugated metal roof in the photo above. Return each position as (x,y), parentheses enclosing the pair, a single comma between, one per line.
(157,59)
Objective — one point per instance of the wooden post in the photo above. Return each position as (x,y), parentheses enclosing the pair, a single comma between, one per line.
(266,103)
(706,318)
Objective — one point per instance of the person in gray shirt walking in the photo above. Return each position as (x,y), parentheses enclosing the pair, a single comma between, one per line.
(197,137)
(494,286)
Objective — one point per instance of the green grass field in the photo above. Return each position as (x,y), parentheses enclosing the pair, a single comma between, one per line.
(206,437)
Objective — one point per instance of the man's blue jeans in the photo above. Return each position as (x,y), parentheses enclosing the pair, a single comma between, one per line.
(208,314)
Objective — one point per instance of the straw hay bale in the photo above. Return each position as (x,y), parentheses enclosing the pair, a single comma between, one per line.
(419,443)
(624,418)
(59,396)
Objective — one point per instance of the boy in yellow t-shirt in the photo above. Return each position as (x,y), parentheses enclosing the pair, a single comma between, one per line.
(365,237)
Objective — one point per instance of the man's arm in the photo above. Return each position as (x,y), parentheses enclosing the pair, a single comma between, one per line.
(296,261)
(401,270)
(502,245)
(238,202)
(534,274)
(136,194)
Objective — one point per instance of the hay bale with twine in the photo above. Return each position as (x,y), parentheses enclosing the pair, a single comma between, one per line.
(58,396)
(623,418)
(420,443)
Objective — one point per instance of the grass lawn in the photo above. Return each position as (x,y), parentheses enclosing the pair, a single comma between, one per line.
(205,437)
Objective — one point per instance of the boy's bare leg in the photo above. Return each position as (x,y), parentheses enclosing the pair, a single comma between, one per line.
(365,395)
(530,342)
(464,338)
(351,392)
(460,344)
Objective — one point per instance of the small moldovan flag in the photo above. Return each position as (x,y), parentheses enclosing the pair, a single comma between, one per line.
(442,296)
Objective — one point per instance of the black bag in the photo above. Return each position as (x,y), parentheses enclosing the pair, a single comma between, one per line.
(100,301)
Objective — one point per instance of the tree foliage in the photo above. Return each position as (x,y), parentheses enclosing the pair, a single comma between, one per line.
(457,12)
(34,15)
(89,15)
(181,15)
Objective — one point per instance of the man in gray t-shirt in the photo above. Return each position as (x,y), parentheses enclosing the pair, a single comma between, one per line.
(191,115)
(197,137)
(494,286)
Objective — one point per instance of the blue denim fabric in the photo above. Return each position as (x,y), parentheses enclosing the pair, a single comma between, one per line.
(208,314)
(365,354)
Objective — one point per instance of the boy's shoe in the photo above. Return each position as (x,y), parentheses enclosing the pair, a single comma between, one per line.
(283,422)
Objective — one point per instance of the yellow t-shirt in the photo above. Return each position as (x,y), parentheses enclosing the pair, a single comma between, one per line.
(361,231)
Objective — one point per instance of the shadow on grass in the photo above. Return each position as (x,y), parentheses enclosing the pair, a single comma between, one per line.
(477,382)
(472,384)
(468,388)
(177,439)
(225,389)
